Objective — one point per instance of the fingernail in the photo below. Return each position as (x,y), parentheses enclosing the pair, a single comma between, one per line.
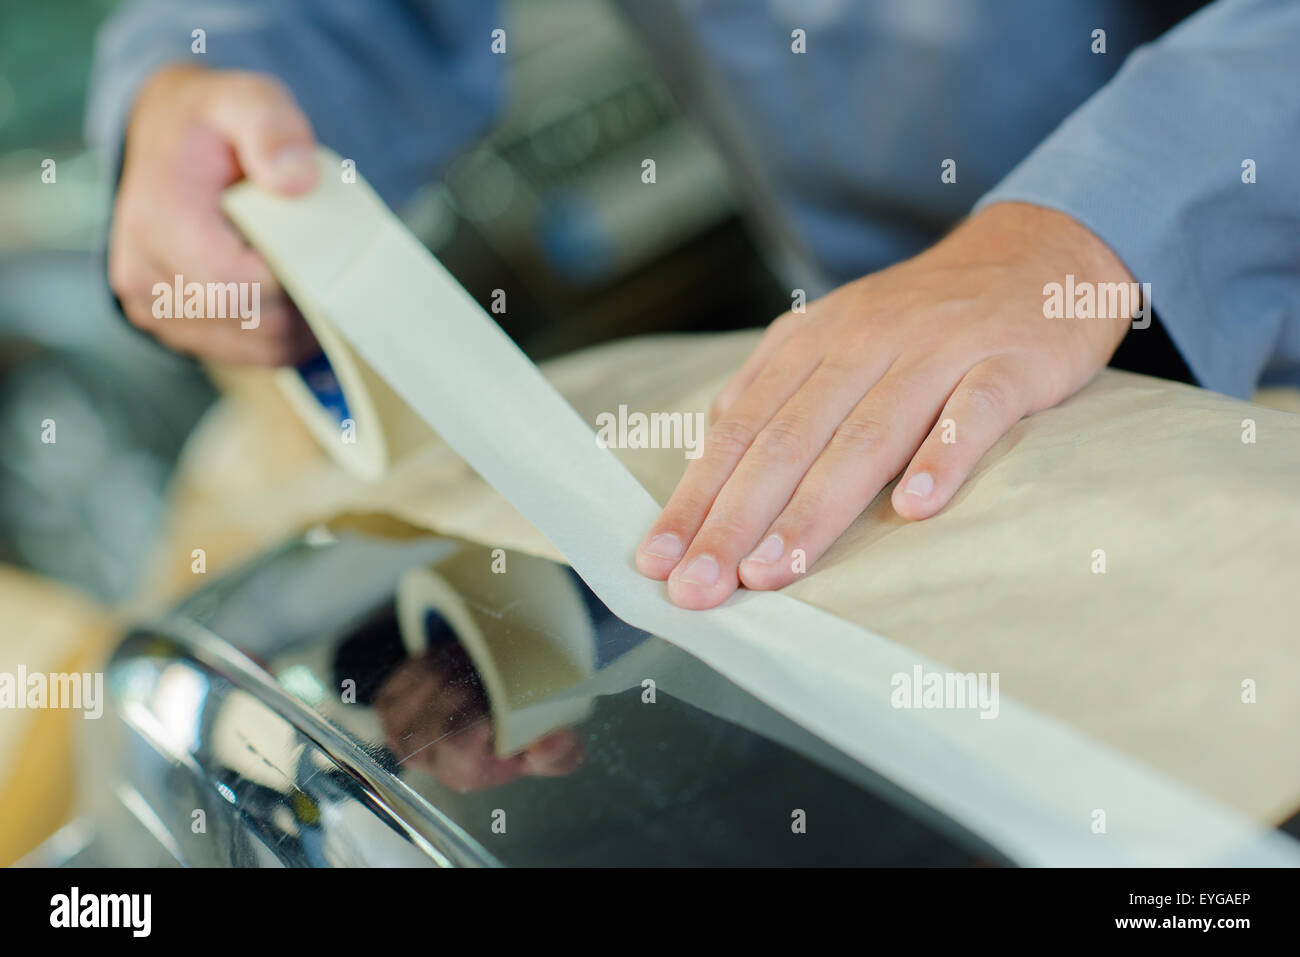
(664,545)
(702,571)
(920,485)
(768,552)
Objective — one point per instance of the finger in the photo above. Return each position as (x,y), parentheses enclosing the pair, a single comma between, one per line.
(236,346)
(761,485)
(555,755)
(869,448)
(271,332)
(988,401)
(402,705)
(724,445)
(281,338)
(131,275)
(464,761)
(196,243)
(777,335)
(271,136)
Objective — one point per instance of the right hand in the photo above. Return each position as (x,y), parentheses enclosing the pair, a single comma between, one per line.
(192,133)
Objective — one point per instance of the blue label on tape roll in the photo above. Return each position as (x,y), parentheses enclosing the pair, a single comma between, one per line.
(437,630)
(318,375)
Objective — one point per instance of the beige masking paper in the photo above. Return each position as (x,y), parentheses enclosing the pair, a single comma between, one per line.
(1121,693)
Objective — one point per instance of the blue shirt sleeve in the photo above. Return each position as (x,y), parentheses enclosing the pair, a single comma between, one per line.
(399,87)
(1157,164)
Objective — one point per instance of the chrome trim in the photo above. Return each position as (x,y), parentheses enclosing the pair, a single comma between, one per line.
(437,835)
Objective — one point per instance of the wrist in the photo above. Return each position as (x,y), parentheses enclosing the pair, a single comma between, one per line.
(1059,235)
(1061,250)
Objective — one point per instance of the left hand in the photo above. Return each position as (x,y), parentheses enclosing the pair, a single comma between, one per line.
(835,402)
(435,716)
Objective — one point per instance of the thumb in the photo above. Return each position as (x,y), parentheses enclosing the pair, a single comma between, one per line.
(272,138)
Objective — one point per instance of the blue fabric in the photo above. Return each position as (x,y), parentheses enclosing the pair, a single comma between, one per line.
(853,132)
(399,87)
(1152,164)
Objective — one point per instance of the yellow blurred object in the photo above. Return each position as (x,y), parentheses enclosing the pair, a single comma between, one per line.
(49,628)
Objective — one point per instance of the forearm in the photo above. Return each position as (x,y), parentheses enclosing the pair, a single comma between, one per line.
(1153,165)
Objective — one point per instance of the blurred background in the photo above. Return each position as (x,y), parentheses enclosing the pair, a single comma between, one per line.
(534,209)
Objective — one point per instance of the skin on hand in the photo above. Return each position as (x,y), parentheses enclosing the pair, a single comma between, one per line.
(192,133)
(435,716)
(836,402)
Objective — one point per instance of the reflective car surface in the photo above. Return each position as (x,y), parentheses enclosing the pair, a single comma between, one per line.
(351,700)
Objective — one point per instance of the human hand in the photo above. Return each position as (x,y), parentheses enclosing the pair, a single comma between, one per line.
(435,716)
(192,133)
(835,402)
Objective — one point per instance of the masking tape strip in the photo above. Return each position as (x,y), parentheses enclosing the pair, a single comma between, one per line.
(1023,782)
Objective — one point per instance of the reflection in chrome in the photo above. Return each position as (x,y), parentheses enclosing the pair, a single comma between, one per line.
(359,701)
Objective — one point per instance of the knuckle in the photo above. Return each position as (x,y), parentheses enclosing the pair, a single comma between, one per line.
(269,105)
(683,514)
(861,339)
(782,324)
(721,402)
(800,516)
(782,441)
(258,85)
(730,438)
(844,363)
(722,527)
(689,503)
(860,435)
(988,395)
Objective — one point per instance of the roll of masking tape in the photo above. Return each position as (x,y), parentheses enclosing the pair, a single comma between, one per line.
(526,629)
(348,408)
